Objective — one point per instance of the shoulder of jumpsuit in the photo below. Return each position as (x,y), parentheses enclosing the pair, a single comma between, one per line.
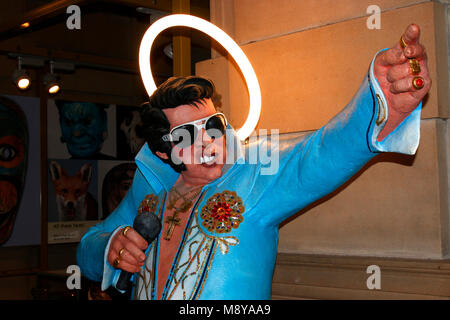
(159,175)
(266,157)
(405,137)
(250,164)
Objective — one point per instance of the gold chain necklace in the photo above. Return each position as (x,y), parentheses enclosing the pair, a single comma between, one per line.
(173,220)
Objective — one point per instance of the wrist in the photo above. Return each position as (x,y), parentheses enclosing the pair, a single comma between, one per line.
(394,119)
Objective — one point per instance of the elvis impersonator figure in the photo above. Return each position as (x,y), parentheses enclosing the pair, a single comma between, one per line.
(220,218)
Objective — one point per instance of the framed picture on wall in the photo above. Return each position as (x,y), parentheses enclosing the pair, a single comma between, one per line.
(72,199)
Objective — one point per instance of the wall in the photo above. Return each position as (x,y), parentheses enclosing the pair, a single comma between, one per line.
(310,57)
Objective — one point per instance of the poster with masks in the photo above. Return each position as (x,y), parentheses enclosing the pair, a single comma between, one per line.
(79,134)
(20,214)
(91,150)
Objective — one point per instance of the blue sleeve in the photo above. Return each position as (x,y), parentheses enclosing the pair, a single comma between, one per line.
(315,164)
(93,248)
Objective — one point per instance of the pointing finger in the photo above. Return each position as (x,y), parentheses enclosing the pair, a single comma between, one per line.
(411,35)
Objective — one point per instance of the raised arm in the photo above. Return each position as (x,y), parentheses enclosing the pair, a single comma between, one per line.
(383,116)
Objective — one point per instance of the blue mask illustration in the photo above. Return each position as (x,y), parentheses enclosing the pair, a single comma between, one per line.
(83,127)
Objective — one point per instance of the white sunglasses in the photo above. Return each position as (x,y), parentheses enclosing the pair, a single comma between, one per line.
(185,134)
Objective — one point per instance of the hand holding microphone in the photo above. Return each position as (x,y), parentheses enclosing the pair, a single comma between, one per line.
(127,248)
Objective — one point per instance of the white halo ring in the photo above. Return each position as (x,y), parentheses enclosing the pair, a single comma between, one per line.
(221,37)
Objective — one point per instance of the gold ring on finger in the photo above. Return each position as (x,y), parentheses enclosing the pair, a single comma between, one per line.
(121,252)
(418,83)
(403,44)
(125,230)
(116,262)
(414,66)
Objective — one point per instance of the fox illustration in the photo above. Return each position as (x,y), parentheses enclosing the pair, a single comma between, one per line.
(73,201)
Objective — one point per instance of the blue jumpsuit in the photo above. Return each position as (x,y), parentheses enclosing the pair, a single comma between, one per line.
(234,258)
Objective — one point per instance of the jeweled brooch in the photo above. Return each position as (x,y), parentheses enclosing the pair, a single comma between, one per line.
(149,204)
(222,212)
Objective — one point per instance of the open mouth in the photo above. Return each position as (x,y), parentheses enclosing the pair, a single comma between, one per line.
(208,160)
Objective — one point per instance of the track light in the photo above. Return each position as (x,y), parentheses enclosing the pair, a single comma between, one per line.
(51,81)
(20,77)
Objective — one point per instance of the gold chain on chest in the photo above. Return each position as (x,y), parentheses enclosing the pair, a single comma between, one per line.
(174,196)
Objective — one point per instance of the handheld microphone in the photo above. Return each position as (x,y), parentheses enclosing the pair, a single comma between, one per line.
(148,225)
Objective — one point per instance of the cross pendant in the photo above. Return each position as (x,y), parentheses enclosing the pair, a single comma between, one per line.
(172,221)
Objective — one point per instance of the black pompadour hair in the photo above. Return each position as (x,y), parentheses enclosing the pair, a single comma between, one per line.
(172,93)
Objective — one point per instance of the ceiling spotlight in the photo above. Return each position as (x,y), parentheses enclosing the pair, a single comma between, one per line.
(20,77)
(51,81)
(24,25)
